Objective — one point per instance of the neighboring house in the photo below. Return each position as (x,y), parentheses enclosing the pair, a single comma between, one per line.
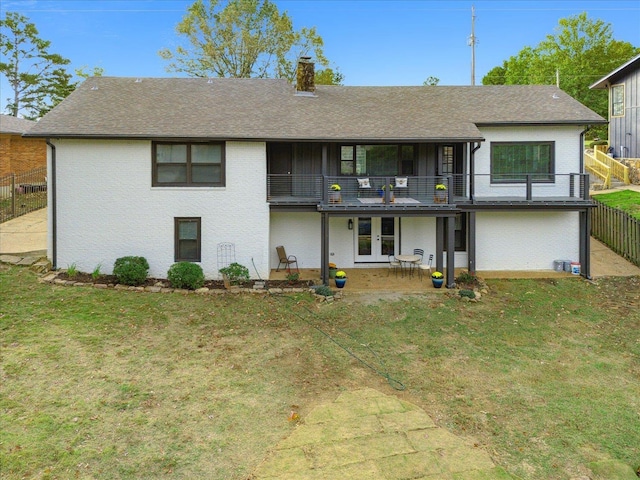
(623,85)
(170,168)
(17,153)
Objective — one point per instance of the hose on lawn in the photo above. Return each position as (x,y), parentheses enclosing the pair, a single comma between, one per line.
(380,370)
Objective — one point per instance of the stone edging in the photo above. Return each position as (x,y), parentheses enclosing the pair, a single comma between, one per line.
(51,278)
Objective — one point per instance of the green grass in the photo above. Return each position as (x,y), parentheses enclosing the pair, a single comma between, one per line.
(626,200)
(104,384)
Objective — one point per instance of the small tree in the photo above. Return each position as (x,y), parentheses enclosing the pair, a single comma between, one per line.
(36,76)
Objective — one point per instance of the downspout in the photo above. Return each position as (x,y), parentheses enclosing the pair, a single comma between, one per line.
(53,208)
(471,248)
(585,223)
(472,171)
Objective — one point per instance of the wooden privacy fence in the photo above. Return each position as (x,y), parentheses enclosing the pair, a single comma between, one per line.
(618,230)
(22,193)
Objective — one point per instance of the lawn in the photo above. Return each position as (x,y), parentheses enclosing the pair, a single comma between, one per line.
(542,374)
(626,200)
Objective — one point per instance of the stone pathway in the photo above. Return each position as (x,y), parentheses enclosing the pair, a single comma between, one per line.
(366,434)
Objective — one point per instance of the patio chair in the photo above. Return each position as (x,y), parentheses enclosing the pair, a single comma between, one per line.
(394,265)
(285,259)
(425,267)
(420,252)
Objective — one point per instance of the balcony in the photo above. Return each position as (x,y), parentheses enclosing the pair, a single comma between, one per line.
(420,193)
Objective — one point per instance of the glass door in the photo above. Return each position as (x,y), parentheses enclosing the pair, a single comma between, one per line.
(375,239)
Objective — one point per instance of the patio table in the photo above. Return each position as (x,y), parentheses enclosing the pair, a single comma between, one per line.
(408,260)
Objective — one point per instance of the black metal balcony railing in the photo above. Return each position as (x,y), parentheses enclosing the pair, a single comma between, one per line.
(421,191)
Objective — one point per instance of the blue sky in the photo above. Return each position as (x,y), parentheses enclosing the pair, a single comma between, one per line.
(370,42)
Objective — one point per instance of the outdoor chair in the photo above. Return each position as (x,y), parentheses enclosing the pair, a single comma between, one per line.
(394,265)
(286,260)
(425,267)
(420,252)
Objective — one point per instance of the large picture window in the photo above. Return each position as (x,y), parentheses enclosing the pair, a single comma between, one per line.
(192,164)
(188,239)
(512,162)
(377,160)
(617,100)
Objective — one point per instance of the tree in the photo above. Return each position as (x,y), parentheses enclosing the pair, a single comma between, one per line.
(431,81)
(36,77)
(328,76)
(581,52)
(246,38)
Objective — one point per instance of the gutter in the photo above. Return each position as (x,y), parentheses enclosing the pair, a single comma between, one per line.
(53,209)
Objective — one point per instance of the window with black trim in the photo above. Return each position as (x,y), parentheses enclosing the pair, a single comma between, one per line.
(188,239)
(512,162)
(188,164)
(377,160)
(617,100)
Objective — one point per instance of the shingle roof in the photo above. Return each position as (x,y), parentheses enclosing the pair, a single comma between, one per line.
(15,125)
(622,70)
(269,109)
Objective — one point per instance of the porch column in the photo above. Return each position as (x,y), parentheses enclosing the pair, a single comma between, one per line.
(324,248)
(439,243)
(451,251)
(585,243)
(471,248)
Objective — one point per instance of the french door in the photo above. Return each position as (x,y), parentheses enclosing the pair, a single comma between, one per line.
(376,239)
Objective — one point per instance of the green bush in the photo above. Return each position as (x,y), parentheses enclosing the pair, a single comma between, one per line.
(324,290)
(467,293)
(236,273)
(131,270)
(186,275)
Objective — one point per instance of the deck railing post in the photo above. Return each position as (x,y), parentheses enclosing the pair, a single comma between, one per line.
(529,187)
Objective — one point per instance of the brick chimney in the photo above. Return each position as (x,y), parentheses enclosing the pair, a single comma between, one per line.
(305,75)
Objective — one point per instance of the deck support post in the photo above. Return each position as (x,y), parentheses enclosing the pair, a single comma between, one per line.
(324,248)
(439,243)
(451,251)
(471,248)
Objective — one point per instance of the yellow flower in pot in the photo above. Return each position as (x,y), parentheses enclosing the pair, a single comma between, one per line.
(341,278)
(437,278)
(334,194)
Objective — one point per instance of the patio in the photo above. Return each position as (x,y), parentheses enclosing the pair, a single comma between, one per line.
(382,280)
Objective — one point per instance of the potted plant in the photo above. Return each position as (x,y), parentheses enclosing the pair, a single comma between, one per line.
(334,194)
(382,190)
(441,193)
(333,269)
(438,279)
(341,278)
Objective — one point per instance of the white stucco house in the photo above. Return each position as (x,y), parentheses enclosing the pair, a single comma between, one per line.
(169,168)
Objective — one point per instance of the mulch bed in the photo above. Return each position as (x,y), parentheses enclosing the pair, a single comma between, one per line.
(162,282)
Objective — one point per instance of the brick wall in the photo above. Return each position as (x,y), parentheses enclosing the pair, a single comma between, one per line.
(19,155)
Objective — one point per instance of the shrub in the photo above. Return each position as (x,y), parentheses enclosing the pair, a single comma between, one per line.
(467,293)
(131,270)
(293,277)
(465,278)
(324,290)
(186,275)
(236,273)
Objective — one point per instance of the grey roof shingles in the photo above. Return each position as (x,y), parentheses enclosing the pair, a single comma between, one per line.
(269,109)
(14,125)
